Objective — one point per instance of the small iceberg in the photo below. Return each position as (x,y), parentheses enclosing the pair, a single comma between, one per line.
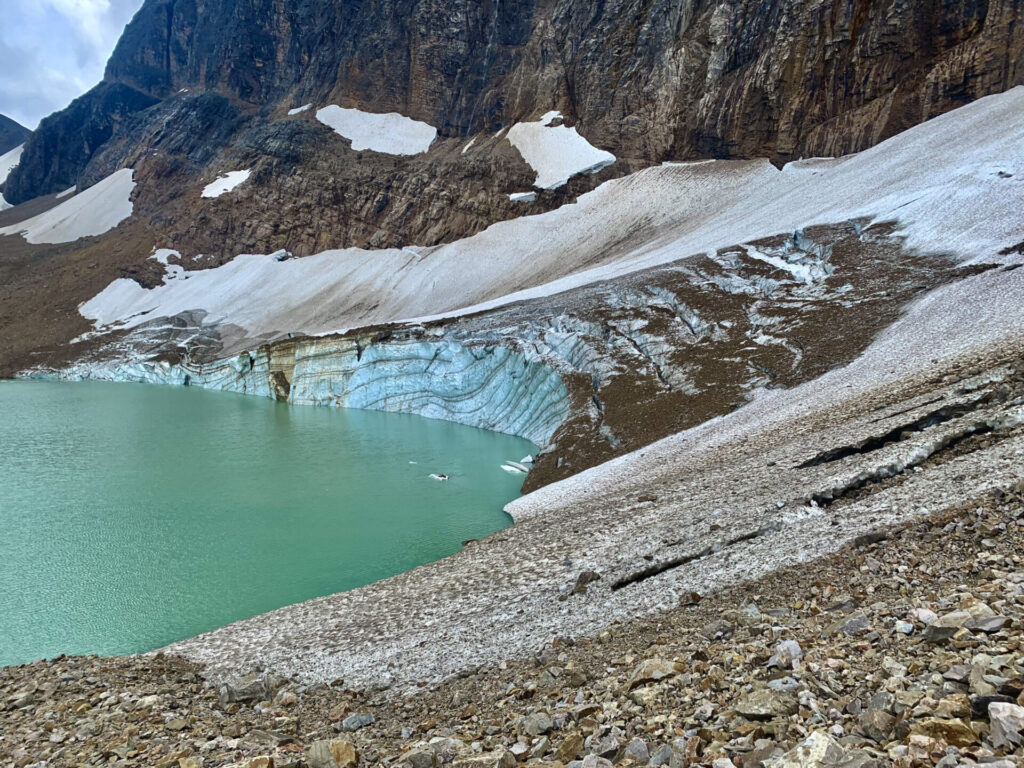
(442,478)
(515,468)
(526,460)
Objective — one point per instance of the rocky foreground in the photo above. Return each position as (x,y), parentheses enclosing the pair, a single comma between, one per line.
(903,649)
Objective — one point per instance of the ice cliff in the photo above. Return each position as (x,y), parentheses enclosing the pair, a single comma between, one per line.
(485,385)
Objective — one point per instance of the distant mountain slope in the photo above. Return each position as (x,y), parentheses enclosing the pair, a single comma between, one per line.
(12,134)
(648,80)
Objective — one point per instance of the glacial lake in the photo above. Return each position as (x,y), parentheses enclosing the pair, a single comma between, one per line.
(132,516)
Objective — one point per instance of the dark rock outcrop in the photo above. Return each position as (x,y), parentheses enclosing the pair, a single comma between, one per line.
(65,141)
(12,134)
(647,78)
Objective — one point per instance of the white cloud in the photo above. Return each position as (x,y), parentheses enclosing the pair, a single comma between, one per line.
(52,51)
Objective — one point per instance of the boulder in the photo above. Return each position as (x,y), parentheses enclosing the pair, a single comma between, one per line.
(536,724)
(787,655)
(1007,724)
(500,758)
(569,749)
(944,627)
(243,689)
(637,751)
(421,758)
(331,754)
(819,750)
(653,670)
(952,732)
(357,721)
(877,724)
(766,703)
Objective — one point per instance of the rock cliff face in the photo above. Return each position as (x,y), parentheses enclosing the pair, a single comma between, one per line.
(645,79)
(12,134)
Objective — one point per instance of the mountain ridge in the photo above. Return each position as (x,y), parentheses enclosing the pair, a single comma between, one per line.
(648,80)
(12,134)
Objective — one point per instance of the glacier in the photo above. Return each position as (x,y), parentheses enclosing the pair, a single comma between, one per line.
(489,386)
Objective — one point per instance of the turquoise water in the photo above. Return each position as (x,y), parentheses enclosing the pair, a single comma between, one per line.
(132,516)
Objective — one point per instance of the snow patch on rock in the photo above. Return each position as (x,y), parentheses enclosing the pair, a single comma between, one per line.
(96,210)
(523,197)
(390,133)
(556,153)
(226,183)
(299,110)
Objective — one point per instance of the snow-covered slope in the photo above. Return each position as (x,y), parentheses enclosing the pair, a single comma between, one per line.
(96,210)
(391,133)
(8,161)
(954,184)
(555,152)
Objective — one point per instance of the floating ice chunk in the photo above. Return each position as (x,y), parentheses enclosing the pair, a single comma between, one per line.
(442,478)
(518,466)
(98,209)
(514,470)
(523,197)
(526,460)
(391,133)
(298,110)
(556,153)
(225,183)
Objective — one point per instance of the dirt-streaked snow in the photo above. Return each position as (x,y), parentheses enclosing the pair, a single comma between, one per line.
(556,153)
(98,209)
(226,182)
(390,133)
(954,184)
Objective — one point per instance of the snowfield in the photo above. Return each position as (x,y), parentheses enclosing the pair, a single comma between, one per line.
(954,185)
(8,162)
(556,153)
(225,183)
(391,133)
(98,209)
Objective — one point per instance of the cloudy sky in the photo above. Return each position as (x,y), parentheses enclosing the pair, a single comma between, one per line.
(54,50)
